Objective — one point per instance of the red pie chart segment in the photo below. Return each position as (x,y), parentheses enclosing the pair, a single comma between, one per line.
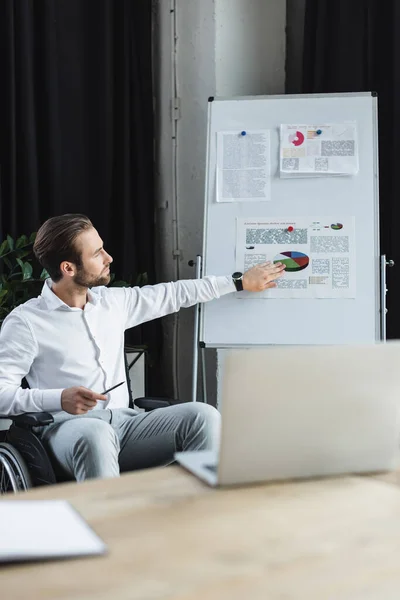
(294,261)
(296,139)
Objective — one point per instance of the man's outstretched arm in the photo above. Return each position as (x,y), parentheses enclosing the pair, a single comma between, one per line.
(151,302)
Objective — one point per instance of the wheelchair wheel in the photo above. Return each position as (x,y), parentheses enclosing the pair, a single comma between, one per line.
(14,476)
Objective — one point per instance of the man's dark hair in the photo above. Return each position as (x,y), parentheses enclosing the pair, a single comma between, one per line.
(55,242)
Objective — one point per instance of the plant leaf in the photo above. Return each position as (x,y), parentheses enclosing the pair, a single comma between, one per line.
(44,274)
(3,247)
(8,263)
(141,279)
(27,271)
(22,241)
(10,242)
(21,253)
(32,237)
(21,264)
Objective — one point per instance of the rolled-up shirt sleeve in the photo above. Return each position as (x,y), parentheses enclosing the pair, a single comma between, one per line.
(18,349)
(154,301)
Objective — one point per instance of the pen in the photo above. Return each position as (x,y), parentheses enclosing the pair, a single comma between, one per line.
(112,388)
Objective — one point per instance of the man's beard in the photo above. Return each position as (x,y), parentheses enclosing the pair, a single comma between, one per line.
(85,280)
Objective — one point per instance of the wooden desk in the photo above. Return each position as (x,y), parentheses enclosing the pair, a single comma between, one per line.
(171,537)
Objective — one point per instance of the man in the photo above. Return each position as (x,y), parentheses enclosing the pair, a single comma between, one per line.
(69,344)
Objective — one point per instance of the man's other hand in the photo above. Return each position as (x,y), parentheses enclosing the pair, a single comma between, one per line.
(79,400)
(262,276)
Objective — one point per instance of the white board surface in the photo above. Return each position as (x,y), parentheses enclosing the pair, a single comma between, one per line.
(253,321)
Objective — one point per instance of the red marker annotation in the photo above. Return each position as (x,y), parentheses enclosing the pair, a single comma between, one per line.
(290,228)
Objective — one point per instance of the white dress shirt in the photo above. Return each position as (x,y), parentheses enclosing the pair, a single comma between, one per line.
(56,346)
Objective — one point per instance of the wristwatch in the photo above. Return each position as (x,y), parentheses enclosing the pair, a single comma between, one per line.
(237,278)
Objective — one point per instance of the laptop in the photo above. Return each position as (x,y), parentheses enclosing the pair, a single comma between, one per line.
(308,411)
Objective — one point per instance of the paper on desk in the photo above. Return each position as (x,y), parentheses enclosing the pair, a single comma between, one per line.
(43,529)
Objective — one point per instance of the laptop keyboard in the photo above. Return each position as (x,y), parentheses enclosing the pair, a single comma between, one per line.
(212,468)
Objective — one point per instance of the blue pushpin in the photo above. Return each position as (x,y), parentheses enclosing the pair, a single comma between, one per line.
(319,131)
(242,133)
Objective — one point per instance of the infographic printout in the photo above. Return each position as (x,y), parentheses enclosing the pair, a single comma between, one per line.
(318,252)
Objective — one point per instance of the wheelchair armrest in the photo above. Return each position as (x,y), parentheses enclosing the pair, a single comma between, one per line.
(32,419)
(149,403)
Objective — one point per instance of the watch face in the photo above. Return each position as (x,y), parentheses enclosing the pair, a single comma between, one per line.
(237,275)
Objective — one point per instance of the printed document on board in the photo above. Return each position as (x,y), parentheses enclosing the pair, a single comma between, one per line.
(319,254)
(318,150)
(243,166)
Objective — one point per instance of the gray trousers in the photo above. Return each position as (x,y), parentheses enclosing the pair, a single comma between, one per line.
(103,443)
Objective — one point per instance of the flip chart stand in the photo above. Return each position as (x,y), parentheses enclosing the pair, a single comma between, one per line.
(384,265)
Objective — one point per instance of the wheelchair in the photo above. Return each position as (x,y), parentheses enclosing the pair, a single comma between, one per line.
(24,461)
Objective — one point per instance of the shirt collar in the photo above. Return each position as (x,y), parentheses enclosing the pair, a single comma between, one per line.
(53,302)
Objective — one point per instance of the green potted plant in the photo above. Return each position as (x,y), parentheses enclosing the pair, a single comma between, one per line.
(21,277)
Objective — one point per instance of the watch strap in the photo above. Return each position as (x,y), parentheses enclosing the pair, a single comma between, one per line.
(238,281)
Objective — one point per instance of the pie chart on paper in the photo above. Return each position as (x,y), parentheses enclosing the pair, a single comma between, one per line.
(294,261)
(296,138)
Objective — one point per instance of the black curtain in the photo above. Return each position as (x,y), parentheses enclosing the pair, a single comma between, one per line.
(352,46)
(76,124)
